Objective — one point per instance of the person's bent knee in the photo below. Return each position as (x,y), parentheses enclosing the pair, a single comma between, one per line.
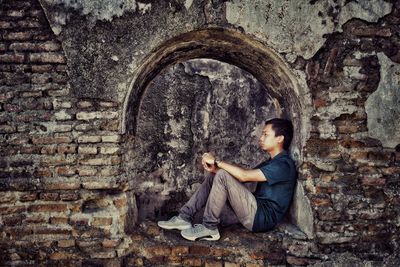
(223,176)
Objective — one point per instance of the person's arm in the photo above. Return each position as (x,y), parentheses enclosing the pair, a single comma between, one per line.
(241,174)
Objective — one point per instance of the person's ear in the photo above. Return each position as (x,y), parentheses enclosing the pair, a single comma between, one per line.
(281,138)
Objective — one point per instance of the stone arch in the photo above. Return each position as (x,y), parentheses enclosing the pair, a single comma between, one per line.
(244,52)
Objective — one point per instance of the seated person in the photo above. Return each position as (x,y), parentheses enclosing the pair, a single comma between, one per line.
(223,189)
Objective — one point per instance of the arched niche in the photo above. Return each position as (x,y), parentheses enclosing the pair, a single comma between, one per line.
(246,53)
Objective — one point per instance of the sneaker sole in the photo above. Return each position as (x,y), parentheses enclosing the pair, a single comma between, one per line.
(208,238)
(174,227)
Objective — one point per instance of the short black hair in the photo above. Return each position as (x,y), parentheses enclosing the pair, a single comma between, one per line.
(282,127)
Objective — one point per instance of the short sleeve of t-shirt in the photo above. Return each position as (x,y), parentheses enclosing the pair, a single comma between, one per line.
(276,171)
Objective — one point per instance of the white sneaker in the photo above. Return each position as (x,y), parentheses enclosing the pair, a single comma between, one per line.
(199,231)
(175,222)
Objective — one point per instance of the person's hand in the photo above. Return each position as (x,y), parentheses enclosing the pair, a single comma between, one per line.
(208,162)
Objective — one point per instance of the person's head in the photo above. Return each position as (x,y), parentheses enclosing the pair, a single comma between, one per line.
(277,133)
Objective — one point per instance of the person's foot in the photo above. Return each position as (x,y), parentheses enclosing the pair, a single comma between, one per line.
(199,231)
(175,222)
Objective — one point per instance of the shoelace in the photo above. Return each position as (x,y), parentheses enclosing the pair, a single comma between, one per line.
(198,228)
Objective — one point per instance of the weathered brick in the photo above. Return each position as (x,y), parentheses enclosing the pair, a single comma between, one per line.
(109,171)
(101,221)
(66,171)
(7,197)
(111,125)
(158,250)
(192,262)
(49,196)
(110,138)
(58,220)
(48,208)
(62,115)
(84,104)
(15,13)
(35,219)
(38,140)
(199,250)
(11,209)
(373,180)
(121,202)
(110,243)
(27,46)
(29,24)
(66,243)
(85,171)
(114,160)
(66,149)
(6,24)
(89,139)
(87,150)
(7,129)
(61,185)
(41,68)
(69,196)
(96,115)
(50,57)
(31,94)
(12,58)
(109,150)
(49,150)
(83,127)
(12,220)
(213,263)
(179,250)
(79,221)
(63,255)
(18,36)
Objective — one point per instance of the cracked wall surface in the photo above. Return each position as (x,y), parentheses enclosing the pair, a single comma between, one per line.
(383,106)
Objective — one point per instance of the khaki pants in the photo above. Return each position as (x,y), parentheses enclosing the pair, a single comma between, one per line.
(226,200)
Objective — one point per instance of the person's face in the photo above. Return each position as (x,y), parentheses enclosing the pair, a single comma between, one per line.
(268,140)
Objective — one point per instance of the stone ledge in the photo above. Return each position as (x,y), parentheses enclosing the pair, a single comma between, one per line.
(153,246)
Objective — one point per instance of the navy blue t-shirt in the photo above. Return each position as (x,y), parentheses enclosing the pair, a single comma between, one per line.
(274,195)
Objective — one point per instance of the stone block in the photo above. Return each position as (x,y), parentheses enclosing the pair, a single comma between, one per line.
(179,250)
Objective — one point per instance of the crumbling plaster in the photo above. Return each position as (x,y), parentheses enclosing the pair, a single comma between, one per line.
(298,27)
(383,106)
(103,56)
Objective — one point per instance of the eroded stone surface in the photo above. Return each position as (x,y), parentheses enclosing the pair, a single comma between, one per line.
(383,106)
(198,106)
(298,27)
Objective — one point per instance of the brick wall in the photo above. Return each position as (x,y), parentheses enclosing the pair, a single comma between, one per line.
(59,154)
